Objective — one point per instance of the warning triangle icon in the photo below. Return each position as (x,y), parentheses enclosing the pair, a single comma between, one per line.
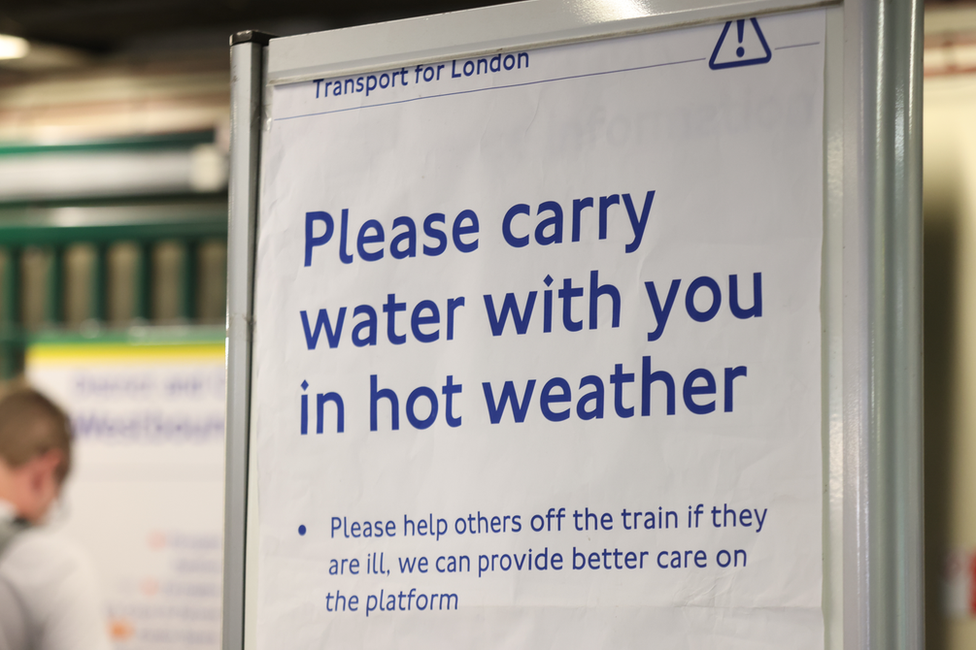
(741,43)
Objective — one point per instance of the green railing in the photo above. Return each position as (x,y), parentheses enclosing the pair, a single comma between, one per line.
(56,229)
(148,142)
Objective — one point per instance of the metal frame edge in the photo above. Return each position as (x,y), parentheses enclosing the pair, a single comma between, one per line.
(883,521)
(832,312)
(247,83)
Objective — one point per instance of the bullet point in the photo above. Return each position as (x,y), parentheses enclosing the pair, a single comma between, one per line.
(301,529)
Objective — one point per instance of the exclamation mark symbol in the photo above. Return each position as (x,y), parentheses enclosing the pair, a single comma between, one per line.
(304,410)
(740,25)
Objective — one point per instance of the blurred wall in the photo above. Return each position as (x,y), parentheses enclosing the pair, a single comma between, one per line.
(103,100)
(949,191)
(147,403)
(184,91)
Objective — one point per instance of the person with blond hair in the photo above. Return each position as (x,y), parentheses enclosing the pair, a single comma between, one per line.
(48,597)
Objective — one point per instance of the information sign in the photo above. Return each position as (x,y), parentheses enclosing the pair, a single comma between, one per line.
(537,347)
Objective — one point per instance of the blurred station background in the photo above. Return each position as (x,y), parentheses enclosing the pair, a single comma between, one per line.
(113,220)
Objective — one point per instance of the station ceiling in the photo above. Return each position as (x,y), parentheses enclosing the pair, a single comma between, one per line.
(93,28)
(117,26)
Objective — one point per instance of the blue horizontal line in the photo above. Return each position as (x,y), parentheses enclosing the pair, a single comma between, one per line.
(478,90)
(790,47)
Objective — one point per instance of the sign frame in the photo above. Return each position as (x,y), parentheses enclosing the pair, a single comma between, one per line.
(871,317)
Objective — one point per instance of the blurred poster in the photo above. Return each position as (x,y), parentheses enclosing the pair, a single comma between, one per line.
(145,496)
(959,584)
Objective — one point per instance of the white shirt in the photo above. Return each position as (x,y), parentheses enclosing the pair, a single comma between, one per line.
(49,598)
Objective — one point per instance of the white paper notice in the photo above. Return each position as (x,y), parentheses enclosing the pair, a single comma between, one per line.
(537,348)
